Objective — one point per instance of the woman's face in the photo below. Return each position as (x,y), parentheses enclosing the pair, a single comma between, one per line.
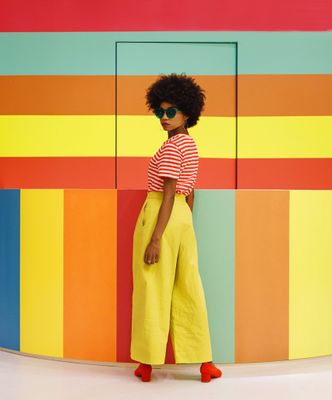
(170,124)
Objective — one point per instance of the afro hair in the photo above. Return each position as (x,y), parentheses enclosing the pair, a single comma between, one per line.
(180,90)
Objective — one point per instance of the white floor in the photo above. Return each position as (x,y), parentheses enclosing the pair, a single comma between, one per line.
(32,378)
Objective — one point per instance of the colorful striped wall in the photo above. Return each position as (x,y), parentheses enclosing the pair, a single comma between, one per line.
(75,141)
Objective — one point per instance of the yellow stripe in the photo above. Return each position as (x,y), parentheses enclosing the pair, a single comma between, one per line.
(137,136)
(143,135)
(51,136)
(140,136)
(41,294)
(282,137)
(310,275)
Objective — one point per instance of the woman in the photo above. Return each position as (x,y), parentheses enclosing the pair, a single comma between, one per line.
(168,295)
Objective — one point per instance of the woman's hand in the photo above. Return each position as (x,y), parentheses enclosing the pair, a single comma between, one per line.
(152,252)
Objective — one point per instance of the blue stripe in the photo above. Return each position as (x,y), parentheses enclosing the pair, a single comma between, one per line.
(93,53)
(10,269)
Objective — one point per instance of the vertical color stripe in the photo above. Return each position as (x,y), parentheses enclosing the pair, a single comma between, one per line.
(310,310)
(261,316)
(90,274)
(213,215)
(129,203)
(42,272)
(10,269)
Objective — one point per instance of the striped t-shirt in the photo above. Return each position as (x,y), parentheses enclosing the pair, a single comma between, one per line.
(176,158)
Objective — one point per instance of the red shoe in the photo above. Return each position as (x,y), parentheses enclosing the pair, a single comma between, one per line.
(209,370)
(144,370)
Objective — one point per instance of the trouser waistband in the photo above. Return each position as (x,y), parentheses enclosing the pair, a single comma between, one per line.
(159,195)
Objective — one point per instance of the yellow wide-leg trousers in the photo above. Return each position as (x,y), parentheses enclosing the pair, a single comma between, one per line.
(168,296)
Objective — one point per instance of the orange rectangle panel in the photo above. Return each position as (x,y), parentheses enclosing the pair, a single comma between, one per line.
(261,278)
(90,274)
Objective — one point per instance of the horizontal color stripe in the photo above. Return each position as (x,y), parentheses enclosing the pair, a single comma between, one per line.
(57,172)
(287,173)
(126,15)
(142,135)
(257,94)
(10,269)
(94,136)
(207,177)
(84,53)
(219,58)
(220,92)
(41,284)
(54,136)
(285,137)
(310,305)
(285,95)
(261,276)
(259,137)
(42,94)
(99,172)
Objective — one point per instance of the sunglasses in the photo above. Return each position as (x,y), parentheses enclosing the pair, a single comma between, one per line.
(170,112)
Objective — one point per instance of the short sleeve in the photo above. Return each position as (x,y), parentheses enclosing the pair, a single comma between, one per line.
(170,161)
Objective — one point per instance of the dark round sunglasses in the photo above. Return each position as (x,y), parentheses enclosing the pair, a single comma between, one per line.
(170,112)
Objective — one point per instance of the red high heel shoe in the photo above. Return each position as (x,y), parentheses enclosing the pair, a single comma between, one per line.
(209,370)
(144,370)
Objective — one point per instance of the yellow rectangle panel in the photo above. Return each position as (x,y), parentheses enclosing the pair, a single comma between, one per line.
(139,135)
(57,136)
(41,274)
(310,274)
(285,137)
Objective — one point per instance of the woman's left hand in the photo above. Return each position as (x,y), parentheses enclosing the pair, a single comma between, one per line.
(152,252)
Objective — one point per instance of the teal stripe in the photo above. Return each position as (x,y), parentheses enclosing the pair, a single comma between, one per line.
(155,58)
(93,53)
(214,222)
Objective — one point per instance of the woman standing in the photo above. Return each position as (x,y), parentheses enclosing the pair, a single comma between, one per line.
(168,295)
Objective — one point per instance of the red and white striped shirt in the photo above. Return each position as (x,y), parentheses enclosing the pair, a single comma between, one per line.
(176,158)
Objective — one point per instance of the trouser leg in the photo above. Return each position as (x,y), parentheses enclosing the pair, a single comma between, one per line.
(189,319)
(152,286)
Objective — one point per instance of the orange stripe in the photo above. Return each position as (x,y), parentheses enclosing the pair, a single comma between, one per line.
(90,241)
(52,95)
(274,95)
(270,95)
(220,94)
(261,281)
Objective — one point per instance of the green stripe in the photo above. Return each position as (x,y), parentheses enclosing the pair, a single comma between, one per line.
(155,58)
(93,53)
(214,222)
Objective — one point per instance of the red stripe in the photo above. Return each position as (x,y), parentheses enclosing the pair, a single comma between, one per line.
(285,173)
(126,15)
(99,172)
(57,172)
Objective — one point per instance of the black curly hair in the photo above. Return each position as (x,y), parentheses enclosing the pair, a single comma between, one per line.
(180,90)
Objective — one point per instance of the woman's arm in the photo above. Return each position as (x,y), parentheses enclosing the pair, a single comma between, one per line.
(190,200)
(152,250)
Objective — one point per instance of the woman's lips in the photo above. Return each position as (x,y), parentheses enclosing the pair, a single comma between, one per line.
(165,123)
